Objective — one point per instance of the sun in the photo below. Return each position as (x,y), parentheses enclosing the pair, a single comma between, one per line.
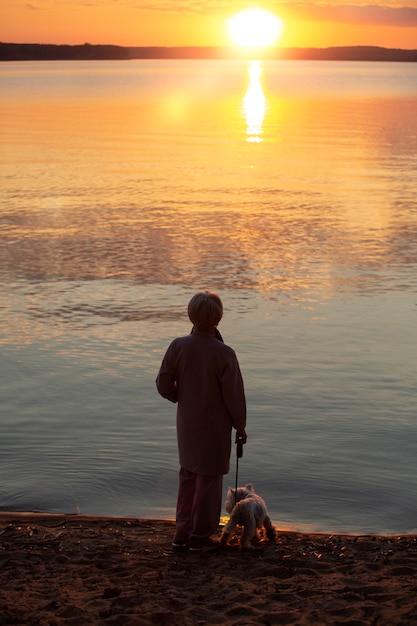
(255,28)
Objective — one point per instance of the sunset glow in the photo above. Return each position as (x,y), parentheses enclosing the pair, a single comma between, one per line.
(179,23)
(255,28)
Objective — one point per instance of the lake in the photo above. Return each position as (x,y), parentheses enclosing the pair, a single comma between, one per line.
(288,187)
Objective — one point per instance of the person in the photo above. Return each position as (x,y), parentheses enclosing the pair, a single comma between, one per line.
(201,374)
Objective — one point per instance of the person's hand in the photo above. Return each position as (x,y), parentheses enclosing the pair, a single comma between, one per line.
(241,436)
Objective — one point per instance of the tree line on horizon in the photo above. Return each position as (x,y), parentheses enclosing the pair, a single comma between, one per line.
(58,52)
(54,52)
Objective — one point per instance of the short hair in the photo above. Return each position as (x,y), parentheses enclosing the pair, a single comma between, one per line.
(205,310)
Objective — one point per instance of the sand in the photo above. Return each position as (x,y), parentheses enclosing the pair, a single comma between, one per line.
(88,571)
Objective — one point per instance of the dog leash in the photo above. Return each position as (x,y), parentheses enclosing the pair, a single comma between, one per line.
(239,454)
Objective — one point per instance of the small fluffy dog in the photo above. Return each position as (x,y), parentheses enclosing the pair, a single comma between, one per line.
(246,509)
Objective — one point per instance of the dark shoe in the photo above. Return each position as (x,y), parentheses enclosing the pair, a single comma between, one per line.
(179,547)
(197,545)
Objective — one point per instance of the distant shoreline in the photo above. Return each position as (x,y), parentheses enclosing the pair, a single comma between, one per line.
(55,52)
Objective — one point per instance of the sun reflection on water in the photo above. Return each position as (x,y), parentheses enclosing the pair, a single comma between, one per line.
(254,104)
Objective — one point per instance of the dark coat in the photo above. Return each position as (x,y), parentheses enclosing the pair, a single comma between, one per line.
(202,374)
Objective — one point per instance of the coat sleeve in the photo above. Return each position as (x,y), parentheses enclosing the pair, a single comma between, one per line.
(165,381)
(234,393)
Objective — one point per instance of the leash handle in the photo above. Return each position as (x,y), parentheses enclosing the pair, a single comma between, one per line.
(239,454)
(239,448)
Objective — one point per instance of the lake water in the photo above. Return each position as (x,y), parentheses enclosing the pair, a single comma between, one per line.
(289,188)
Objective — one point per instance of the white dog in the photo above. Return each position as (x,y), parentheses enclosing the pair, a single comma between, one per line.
(246,509)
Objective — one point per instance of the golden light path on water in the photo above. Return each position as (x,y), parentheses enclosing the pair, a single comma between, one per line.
(254,104)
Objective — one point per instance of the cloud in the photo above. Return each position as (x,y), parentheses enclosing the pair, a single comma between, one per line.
(369,15)
(186,6)
(308,10)
(378,14)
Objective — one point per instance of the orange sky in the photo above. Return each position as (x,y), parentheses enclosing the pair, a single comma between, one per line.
(308,23)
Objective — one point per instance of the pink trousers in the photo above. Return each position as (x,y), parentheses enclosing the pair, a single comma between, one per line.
(199,506)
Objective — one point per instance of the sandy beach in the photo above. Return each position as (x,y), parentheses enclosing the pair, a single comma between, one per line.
(81,570)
